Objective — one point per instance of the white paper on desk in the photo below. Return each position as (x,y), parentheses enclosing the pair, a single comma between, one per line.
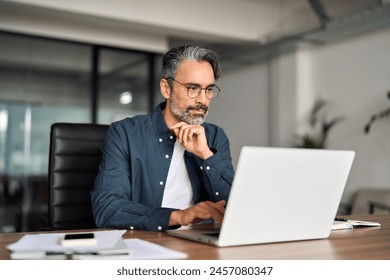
(50,242)
(141,250)
(350,224)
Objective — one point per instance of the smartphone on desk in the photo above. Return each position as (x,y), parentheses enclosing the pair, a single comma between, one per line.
(78,239)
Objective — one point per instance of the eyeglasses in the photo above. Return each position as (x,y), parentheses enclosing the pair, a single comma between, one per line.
(194,90)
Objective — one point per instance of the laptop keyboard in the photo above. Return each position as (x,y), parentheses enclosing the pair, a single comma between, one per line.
(213,234)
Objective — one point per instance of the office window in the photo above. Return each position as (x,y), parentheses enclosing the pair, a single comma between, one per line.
(157,97)
(43,81)
(123,84)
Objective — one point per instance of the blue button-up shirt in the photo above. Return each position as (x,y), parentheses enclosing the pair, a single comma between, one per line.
(137,152)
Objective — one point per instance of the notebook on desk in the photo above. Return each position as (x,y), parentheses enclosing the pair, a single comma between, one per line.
(279,194)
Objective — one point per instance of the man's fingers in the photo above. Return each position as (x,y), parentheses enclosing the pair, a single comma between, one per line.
(182,129)
(221,206)
(210,210)
(201,211)
(178,125)
(192,138)
(185,135)
(218,206)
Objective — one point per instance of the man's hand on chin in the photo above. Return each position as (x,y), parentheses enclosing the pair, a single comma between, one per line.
(193,138)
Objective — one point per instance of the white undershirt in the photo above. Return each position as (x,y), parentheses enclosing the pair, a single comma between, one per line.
(178,191)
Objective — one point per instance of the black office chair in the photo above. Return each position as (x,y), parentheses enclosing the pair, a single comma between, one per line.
(74,158)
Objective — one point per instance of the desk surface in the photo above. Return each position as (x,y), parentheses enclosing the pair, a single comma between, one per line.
(359,243)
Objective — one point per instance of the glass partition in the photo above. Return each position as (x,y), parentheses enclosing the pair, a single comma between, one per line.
(123,84)
(43,81)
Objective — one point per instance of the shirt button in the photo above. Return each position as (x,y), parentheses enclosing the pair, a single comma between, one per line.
(131,227)
(160,140)
(161,183)
(166,156)
(207,167)
(217,193)
(201,168)
(171,137)
(159,227)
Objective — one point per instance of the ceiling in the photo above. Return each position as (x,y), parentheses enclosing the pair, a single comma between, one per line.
(237,29)
(310,21)
(241,31)
(225,22)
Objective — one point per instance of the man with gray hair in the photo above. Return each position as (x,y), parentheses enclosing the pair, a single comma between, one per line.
(168,168)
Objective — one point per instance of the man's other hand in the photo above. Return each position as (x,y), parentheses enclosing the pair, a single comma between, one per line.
(199,212)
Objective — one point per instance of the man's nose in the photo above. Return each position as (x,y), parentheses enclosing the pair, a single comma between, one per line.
(202,98)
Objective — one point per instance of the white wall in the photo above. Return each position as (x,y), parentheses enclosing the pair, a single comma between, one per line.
(265,104)
(354,75)
(242,107)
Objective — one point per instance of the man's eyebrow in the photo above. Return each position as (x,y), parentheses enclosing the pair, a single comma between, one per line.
(198,85)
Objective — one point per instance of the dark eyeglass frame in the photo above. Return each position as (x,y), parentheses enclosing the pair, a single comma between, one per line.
(214,93)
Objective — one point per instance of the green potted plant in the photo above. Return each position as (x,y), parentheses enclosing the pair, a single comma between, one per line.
(382,114)
(320,126)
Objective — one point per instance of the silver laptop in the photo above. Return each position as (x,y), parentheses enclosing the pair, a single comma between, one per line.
(279,194)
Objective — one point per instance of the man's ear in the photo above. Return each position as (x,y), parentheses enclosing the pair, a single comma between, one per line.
(165,89)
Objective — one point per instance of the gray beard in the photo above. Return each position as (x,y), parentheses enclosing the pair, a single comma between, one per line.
(185,116)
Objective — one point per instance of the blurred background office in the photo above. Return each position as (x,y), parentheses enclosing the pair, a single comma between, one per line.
(296,73)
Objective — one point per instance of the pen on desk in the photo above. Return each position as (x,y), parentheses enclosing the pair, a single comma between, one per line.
(340,220)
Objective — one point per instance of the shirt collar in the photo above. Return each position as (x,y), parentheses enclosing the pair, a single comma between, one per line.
(160,125)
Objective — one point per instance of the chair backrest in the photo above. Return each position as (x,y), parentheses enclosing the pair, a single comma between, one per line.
(74,158)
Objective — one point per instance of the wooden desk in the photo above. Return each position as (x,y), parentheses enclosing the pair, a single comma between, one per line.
(360,243)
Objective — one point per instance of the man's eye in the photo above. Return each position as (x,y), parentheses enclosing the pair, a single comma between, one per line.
(194,88)
(210,89)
